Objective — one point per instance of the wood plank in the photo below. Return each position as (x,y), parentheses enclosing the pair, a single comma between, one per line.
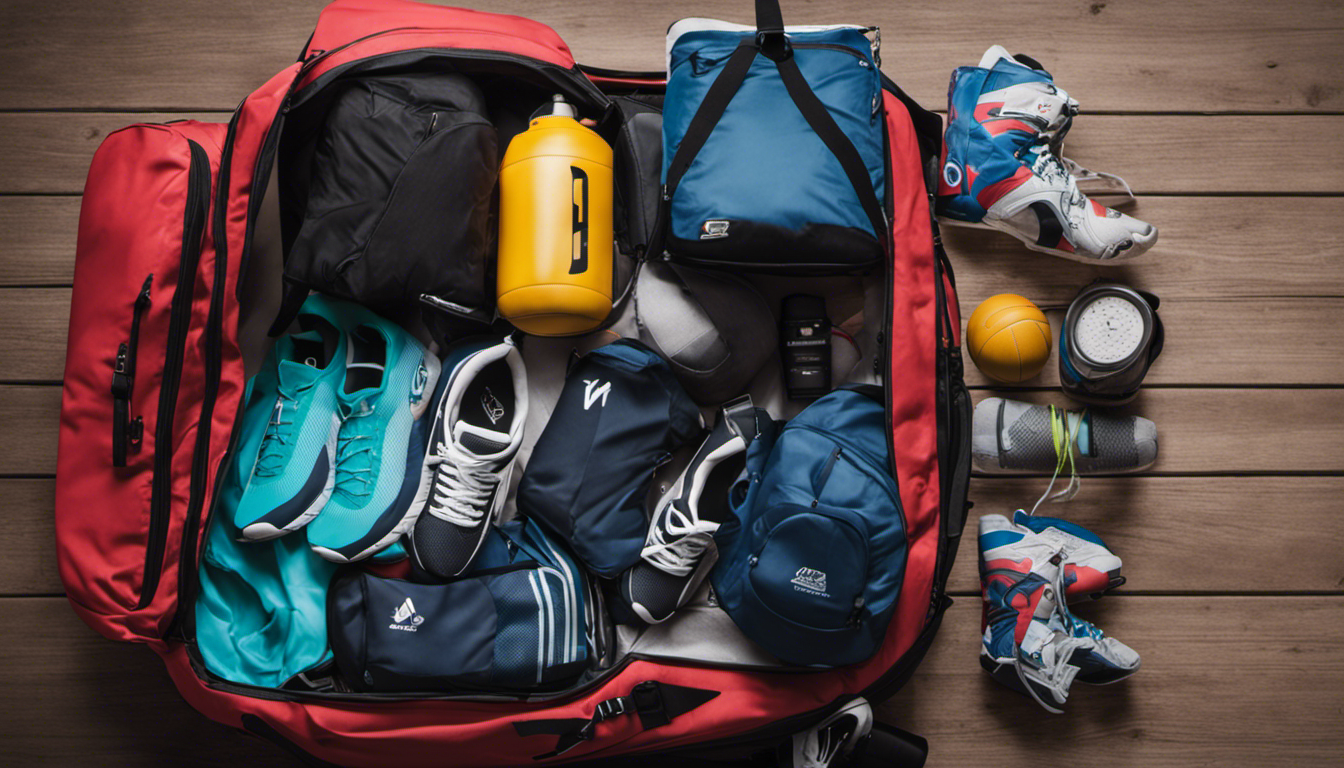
(1148,521)
(1201,430)
(1147,56)
(1209,247)
(27,550)
(1247,529)
(32,424)
(1234,430)
(38,237)
(33,325)
(1219,342)
(1225,681)
(1279,661)
(87,696)
(49,152)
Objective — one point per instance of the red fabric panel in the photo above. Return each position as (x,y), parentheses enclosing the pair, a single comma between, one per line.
(131,225)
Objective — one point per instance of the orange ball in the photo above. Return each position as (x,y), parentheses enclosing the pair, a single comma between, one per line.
(1008,338)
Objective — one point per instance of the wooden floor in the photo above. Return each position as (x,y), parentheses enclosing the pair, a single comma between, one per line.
(1227,116)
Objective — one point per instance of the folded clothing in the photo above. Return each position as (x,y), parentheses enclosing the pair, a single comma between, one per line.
(620,415)
(398,201)
(519,621)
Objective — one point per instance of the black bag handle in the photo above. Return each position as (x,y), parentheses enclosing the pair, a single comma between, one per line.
(771,42)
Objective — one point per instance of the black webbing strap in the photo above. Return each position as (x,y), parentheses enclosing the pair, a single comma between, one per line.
(771,42)
(711,110)
(835,140)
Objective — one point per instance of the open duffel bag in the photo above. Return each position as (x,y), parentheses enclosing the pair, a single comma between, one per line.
(178,278)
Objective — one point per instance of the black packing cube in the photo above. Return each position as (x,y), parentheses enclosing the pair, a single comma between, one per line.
(399,197)
(620,415)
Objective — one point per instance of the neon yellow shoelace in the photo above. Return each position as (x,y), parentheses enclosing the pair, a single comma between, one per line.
(1063,438)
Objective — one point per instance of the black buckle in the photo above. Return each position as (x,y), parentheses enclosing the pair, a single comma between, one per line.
(775,45)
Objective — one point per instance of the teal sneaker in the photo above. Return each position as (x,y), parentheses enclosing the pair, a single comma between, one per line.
(292,472)
(380,448)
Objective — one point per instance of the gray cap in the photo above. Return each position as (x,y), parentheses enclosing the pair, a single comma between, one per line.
(715,329)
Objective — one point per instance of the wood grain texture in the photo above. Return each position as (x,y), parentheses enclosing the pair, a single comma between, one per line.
(1225,681)
(31,424)
(49,152)
(1208,247)
(1217,342)
(33,326)
(1233,430)
(1113,56)
(1241,525)
(91,701)
(1201,430)
(28,548)
(37,240)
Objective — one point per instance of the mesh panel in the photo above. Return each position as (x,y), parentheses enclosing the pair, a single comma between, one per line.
(442,548)
(1113,445)
(656,590)
(480,445)
(517,641)
(1029,445)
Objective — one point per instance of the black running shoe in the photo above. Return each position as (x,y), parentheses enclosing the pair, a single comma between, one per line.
(679,550)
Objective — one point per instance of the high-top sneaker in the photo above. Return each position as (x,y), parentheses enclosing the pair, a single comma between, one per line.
(1006,122)
(1032,642)
(1007,547)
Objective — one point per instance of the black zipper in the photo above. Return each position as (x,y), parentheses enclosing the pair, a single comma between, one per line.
(186,570)
(127,432)
(835,47)
(160,501)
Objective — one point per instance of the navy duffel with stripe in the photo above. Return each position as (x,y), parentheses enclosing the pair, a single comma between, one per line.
(517,621)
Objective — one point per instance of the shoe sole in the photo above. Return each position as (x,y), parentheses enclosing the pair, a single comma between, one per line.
(1141,243)
(266,531)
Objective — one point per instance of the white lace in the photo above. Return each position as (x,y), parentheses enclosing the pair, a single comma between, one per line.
(679,556)
(462,487)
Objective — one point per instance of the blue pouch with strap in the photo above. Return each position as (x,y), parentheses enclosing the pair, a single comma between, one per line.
(812,565)
(774,151)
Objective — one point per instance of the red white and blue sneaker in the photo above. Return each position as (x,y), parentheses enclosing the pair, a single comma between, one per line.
(1001,168)
(1090,568)
(1031,641)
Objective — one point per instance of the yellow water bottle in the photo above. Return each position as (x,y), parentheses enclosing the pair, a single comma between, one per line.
(555,237)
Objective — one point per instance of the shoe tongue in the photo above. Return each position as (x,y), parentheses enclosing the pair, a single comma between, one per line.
(359,403)
(479,440)
(297,375)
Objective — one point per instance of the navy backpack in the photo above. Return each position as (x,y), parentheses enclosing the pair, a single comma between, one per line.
(812,565)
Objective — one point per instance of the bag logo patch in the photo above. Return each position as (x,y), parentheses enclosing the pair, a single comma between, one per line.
(592,390)
(406,613)
(810,580)
(713,230)
(493,408)
(579,221)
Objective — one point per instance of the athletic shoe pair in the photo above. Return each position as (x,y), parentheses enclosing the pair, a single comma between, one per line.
(1012,436)
(679,551)
(1030,569)
(1003,166)
(344,439)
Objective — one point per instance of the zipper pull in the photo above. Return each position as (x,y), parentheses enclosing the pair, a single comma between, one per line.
(667,196)
(136,435)
(121,383)
(142,300)
(856,614)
